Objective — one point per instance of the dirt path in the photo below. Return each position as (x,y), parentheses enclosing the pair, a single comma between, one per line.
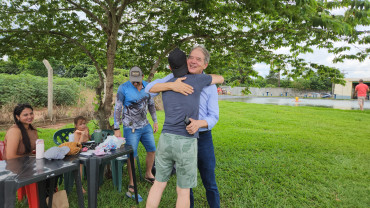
(54,126)
(58,125)
(64,114)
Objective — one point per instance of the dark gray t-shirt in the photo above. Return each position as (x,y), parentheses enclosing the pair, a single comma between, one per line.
(177,105)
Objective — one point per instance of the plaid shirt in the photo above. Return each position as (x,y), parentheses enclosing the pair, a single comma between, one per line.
(132,106)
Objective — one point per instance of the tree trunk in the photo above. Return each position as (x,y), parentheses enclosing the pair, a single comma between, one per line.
(106,97)
(158,102)
(100,114)
(154,68)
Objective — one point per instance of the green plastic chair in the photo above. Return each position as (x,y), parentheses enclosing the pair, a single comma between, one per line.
(62,135)
(99,137)
(116,164)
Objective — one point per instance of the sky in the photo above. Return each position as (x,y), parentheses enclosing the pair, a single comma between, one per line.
(350,68)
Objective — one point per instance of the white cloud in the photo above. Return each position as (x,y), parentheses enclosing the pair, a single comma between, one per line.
(262,69)
(350,68)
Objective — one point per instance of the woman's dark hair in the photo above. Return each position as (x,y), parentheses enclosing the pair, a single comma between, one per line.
(25,138)
(77,119)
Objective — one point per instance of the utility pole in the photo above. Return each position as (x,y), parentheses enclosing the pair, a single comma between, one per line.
(332,88)
(344,74)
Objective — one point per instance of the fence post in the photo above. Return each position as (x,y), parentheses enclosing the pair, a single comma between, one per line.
(50,88)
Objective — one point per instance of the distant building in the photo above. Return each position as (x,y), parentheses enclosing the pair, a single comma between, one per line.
(347,91)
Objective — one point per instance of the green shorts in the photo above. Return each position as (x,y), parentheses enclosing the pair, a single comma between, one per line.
(182,151)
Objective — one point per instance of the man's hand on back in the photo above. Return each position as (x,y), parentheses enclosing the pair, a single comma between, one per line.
(181,87)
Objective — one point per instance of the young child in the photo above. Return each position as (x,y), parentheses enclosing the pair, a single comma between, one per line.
(81,135)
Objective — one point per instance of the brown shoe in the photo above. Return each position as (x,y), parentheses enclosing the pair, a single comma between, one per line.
(150,180)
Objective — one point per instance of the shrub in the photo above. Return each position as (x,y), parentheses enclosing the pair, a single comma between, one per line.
(92,79)
(25,88)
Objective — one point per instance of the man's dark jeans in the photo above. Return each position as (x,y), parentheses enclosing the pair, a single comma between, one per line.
(206,167)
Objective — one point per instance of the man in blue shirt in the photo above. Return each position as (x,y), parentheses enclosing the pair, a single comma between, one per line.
(133,100)
(208,116)
(176,144)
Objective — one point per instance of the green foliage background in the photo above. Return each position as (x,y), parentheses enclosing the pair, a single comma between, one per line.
(25,88)
(120,76)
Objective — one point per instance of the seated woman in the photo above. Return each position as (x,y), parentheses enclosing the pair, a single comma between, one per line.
(81,135)
(20,139)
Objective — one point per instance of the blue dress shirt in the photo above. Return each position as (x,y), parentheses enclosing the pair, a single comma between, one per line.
(208,106)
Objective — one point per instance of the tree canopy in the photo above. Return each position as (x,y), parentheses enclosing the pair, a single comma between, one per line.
(238,33)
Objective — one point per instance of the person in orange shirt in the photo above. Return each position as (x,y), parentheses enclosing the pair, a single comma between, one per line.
(361,90)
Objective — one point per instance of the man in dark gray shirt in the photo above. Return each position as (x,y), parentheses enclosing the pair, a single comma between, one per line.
(175,144)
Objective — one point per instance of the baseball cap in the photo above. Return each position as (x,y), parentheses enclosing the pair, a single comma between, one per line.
(177,61)
(136,75)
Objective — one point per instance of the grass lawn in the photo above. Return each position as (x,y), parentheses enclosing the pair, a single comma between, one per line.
(273,156)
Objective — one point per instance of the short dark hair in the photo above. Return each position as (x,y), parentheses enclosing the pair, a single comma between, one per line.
(75,121)
(361,80)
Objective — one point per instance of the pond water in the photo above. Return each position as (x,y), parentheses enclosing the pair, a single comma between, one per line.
(327,103)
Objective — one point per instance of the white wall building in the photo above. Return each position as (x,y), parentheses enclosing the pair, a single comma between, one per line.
(276,91)
(347,91)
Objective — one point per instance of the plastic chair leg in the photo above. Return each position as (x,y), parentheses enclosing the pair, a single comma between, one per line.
(32,195)
(117,165)
(119,174)
(117,169)
(21,193)
(84,175)
(68,182)
(114,167)
(101,173)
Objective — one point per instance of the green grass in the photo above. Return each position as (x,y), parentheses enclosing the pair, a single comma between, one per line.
(274,156)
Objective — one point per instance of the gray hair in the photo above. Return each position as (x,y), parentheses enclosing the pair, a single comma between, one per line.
(361,80)
(205,52)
